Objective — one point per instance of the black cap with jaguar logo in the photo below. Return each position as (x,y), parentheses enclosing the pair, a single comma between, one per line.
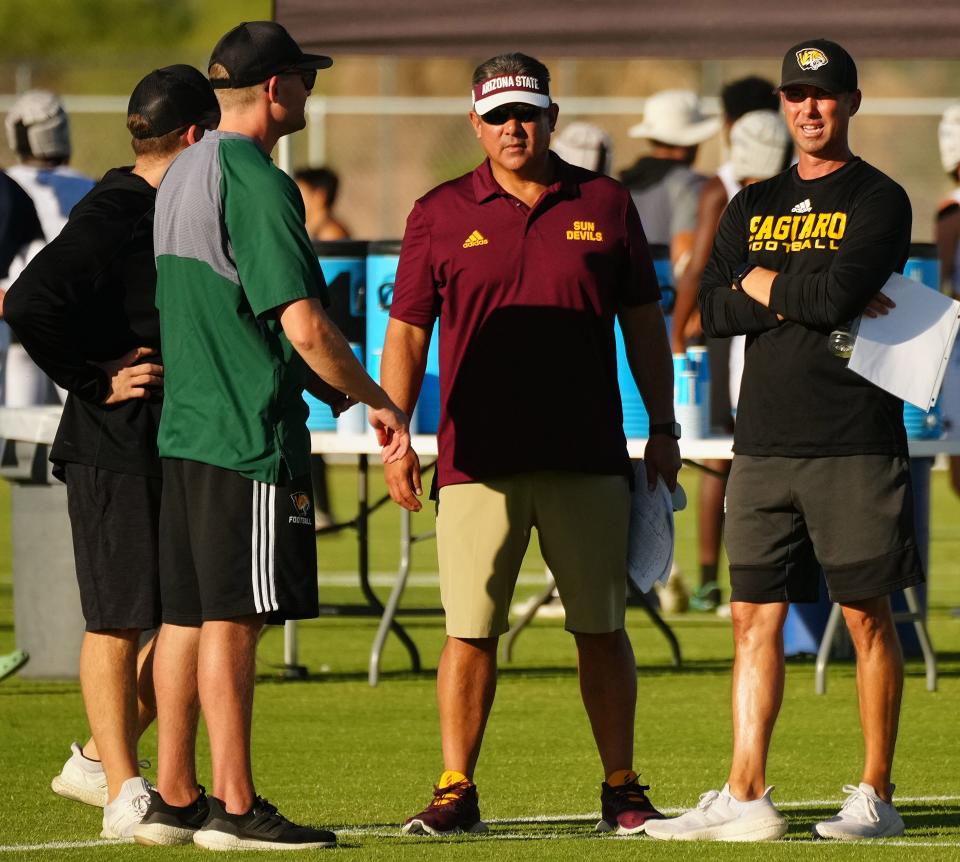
(819,63)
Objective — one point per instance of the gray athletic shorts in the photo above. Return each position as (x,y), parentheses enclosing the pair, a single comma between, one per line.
(851,515)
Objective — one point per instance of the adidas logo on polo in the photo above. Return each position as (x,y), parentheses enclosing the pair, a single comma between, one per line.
(803,207)
(475,239)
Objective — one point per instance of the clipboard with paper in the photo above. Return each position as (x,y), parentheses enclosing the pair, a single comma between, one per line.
(906,351)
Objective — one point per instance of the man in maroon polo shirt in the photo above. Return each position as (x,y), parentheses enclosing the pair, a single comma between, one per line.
(527,261)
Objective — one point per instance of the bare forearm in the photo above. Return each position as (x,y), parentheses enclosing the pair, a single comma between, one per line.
(648,353)
(327,353)
(758,283)
(404,362)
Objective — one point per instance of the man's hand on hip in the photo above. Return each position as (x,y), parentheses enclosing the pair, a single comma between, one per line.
(403,481)
(661,457)
(129,380)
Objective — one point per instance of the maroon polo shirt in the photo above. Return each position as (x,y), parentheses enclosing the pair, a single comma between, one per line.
(526,299)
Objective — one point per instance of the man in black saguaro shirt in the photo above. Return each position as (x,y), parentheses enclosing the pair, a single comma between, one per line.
(821,471)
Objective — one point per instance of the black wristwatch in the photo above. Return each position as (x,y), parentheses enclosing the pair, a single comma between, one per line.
(672,429)
(740,273)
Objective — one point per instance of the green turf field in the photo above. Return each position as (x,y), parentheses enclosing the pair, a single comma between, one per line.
(334,752)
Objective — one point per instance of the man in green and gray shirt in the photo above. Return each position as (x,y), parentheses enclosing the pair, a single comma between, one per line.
(241,300)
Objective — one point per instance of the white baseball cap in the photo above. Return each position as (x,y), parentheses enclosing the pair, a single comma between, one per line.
(949,134)
(674,117)
(759,141)
(585,145)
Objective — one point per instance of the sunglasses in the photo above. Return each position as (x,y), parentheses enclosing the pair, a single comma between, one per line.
(799,94)
(308,76)
(519,111)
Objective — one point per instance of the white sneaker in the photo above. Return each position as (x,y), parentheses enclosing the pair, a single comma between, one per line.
(863,815)
(81,779)
(720,817)
(121,816)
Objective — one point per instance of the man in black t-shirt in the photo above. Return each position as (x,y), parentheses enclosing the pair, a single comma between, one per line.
(821,475)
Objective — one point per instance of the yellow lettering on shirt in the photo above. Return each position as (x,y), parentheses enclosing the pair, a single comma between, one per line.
(584,231)
(797,233)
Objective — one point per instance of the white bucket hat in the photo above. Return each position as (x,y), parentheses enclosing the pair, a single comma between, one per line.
(949,133)
(674,117)
(758,145)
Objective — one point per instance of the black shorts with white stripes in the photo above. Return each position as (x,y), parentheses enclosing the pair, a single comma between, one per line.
(234,547)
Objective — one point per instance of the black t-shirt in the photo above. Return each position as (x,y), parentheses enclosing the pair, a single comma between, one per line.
(834,242)
(89,296)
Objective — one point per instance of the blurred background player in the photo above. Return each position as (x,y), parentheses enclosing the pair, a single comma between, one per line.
(738,97)
(38,131)
(663,184)
(19,227)
(319,187)
(948,250)
(586,146)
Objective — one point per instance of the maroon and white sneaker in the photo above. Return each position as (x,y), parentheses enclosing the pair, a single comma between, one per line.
(625,808)
(454,809)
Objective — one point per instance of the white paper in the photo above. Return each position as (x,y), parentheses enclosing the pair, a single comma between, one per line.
(906,351)
(650,551)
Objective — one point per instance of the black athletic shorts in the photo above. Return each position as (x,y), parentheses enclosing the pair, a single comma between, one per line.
(234,547)
(115,519)
(851,515)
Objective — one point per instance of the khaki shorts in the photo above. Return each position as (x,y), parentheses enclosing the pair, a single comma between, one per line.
(483,530)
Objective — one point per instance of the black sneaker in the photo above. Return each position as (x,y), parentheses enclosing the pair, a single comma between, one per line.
(261,828)
(171,824)
(625,808)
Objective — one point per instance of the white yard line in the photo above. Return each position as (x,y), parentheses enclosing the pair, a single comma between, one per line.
(394,831)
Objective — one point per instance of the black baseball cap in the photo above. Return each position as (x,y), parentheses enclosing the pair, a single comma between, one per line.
(822,64)
(171,98)
(256,50)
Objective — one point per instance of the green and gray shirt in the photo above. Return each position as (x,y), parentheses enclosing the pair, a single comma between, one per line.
(231,247)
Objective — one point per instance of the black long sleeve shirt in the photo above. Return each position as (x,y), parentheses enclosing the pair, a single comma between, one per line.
(834,241)
(89,296)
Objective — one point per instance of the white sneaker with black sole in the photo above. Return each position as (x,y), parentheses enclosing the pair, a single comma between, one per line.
(81,779)
(719,816)
(124,814)
(863,815)
(261,828)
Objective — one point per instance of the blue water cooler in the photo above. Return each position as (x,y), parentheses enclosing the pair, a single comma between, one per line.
(381,272)
(343,263)
(636,423)
(805,623)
